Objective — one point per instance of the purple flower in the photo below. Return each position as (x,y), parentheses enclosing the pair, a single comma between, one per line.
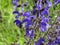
(15,2)
(18,22)
(40,41)
(27,22)
(39,6)
(45,12)
(31,16)
(27,25)
(43,26)
(27,14)
(34,11)
(58,19)
(49,4)
(17,17)
(56,2)
(29,19)
(16,12)
(44,19)
(58,27)
(57,41)
(51,43)
(29,33)
(43,29)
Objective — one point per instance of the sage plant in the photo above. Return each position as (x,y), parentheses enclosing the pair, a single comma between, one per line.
(34,20)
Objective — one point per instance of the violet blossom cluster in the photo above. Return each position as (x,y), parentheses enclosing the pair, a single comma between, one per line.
(38,18)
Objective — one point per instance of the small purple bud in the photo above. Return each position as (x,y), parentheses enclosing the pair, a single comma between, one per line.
(49,4)
(27,14)
(18,23)
(40,41)
(15,2)
(58,19)
(45,12)
(15,12)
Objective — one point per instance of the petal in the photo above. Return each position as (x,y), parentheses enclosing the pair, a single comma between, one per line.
(58,19)
(17,17)
(45,20)
(43,24)
(27,31)
(27,14)
(27,21)
(15,12)
(40,41)
(49,4)
(57,41)
(18,23)
(45,12)
(43,27)
(15,2)
(31,34)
